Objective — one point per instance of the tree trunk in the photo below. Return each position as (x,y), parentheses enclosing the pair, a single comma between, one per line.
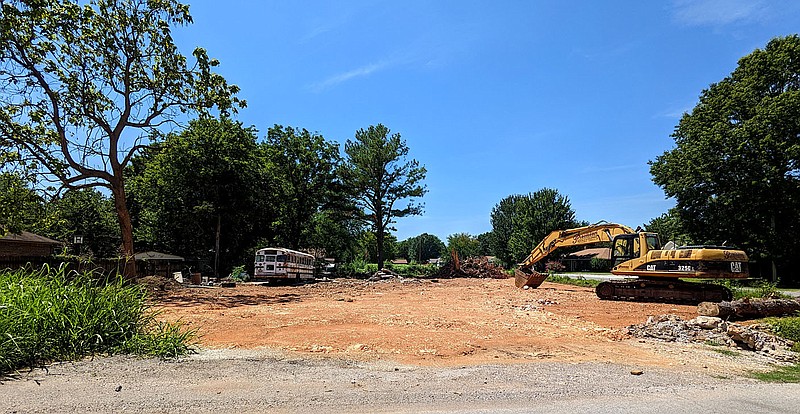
(216,246)
(125,228)
(379,240)
(749,309)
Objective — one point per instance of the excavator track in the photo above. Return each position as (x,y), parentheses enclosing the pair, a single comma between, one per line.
(666,291)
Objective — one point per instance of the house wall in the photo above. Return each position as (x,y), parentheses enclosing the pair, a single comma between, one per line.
(15,248)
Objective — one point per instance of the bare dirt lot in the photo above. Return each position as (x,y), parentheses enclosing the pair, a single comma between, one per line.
(409,346)
(448,322)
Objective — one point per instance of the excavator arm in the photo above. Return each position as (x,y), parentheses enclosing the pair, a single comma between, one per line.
(595,233)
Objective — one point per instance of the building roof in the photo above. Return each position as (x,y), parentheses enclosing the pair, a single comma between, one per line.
(399,261)
(157,256)
(588,254)
(27,237)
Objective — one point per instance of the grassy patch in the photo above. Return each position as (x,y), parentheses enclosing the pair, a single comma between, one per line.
(781,374)
(788,328)
(759,290)
(51,314)
(726,352)
(570,281)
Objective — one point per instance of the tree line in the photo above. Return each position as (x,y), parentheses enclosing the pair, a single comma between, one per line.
(91,94)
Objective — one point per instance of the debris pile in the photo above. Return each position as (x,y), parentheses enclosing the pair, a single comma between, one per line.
(155,283)
(478,267)
(715,331)
(384,274)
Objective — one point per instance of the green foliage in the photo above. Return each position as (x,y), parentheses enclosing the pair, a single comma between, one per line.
(464,244)
(760,290)
(600,265)
(421,248)
(81,77)
(735,169)
(669,228)
(368,246)
(520,222)
(210,178)
(413,270)
(381,179)
(485,244)
(788,328)
(727,352)
(49,314)
(88,213)
(20,207)
(239,274)
(357,268)
(566,280)
(788,374)
(304,168)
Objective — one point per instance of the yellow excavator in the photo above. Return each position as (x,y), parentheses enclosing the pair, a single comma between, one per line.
(658,269)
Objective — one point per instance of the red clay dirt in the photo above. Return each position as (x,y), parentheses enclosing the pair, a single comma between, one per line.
(422,322)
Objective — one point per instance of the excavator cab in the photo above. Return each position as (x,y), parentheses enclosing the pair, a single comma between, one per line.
(624,248)
(632,246)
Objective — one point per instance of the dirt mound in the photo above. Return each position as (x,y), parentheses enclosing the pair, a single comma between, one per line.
(717,332)
(478,267)
(155,283)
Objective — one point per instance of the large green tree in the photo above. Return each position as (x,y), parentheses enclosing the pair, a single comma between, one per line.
(520,222)
(669,228)
(464,244)
(423,247)
(205,193)
(384,181)
(82,84)
(21,208)
(735,168)
(305,168)
(89,213)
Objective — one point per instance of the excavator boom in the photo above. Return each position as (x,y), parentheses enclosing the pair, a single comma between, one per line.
(595,233)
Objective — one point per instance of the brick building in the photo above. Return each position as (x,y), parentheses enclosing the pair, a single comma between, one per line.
(27,244)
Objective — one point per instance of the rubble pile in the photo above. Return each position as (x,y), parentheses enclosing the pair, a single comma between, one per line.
(384,274)
(154,283)
(477,267)
(715,331)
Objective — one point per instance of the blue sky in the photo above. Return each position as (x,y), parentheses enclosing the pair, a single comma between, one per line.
(494,98)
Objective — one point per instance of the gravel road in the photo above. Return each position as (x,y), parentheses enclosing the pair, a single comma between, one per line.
(251,381)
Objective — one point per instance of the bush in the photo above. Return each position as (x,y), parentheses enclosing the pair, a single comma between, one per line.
(554,267)
(600,265)
(761,290)
(788,328)
(48,315)
(413,270)
(356,268)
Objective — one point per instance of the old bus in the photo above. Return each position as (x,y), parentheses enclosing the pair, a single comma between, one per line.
(274,263)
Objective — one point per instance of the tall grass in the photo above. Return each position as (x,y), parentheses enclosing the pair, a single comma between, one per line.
(52,314)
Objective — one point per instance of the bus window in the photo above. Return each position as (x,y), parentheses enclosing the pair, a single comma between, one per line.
(259,258)
(281,258)
(270,258)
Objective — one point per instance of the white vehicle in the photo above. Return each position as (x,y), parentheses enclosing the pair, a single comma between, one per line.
(280,263)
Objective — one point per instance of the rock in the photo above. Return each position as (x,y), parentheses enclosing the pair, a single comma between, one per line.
(707,322)
(714,331)
(637,372)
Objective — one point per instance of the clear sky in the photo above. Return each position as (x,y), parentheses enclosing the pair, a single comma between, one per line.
(493,97)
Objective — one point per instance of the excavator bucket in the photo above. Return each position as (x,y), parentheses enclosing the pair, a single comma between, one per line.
(528,277)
